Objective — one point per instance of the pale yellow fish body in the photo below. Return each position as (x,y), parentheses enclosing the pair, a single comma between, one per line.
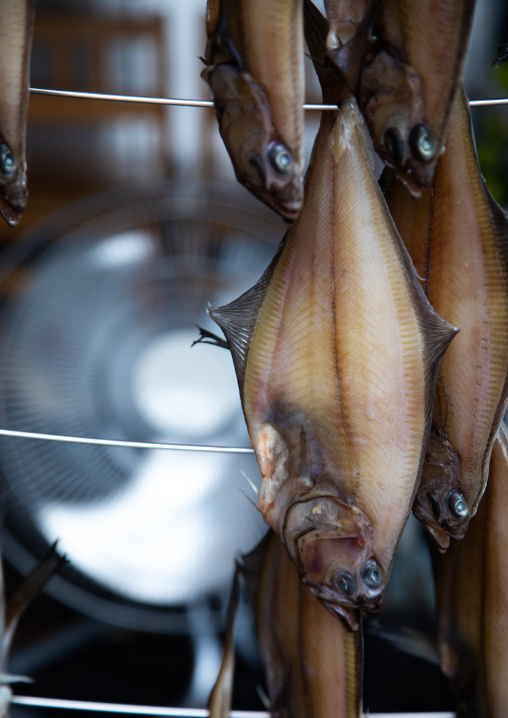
(404,66)
(458,238)
(16,22)
(313,664)
(336,351)
(255,71)
(274,54)
(472,590)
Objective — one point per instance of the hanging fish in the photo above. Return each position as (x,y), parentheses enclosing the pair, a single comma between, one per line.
(336,351)
(12,610)
(219,704)
(254,68)
(313,665)
(16,24)
(404,64)
(472,589)
(458,238)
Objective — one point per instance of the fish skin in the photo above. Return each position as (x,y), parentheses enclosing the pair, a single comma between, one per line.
(405,76)
(16,25)
(11,612)
(254,68)
(219,704)
(313,665)
(336,351)
(458,238)
(471,591)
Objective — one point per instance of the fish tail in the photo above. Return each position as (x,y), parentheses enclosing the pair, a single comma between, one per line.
(316,31)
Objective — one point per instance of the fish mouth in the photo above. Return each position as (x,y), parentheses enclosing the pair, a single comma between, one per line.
(443,531)
(288,210)
(350,616)
(406,176)
(11,210)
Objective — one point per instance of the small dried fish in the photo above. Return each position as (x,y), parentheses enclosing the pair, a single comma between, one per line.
(254,59)
(336,351)
(16,24)
(313,665)
(405,73)
(458,238)
(472,590)
(219,704)
(12,610)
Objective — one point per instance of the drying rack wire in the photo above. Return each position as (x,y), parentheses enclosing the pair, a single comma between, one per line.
(178,712)
(178,102)
(154,710)
(172,101)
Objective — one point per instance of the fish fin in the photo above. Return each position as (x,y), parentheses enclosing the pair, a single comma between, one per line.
(28,590)
(250,566)
(502,55)
(219,703)
(238,319)
(251,483)
(316,31)
(204,334)
(408,640)
(264,698)
(438,332)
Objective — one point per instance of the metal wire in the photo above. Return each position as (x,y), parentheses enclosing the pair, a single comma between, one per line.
(180,103)
(183,712)
(130,444)
(195,103)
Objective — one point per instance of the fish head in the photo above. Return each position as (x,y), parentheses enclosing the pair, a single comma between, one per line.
(262,161)
(13,187)
(444,512)
(330,542)
(390,95)
(440,503)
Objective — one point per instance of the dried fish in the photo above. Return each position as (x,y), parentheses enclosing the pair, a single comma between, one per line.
(254,59)
(458,238)
(472,582)
(336,351)
(404,74)
(16,24)
(219,704)
(12,610)
(313,665)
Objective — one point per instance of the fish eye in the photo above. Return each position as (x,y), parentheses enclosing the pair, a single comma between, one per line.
(280,157)
(370,575)
(434,504)
(394,144)
(422,143)
(7,162)
(457,505)
(345,583)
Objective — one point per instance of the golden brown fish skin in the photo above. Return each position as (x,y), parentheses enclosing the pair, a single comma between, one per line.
(313,665)
(254,58)
(404,75)
(471,588)
(336,351)
(16,24)
(219,704)
(458,238)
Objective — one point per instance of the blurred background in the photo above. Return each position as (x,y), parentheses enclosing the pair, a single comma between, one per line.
(134,222)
